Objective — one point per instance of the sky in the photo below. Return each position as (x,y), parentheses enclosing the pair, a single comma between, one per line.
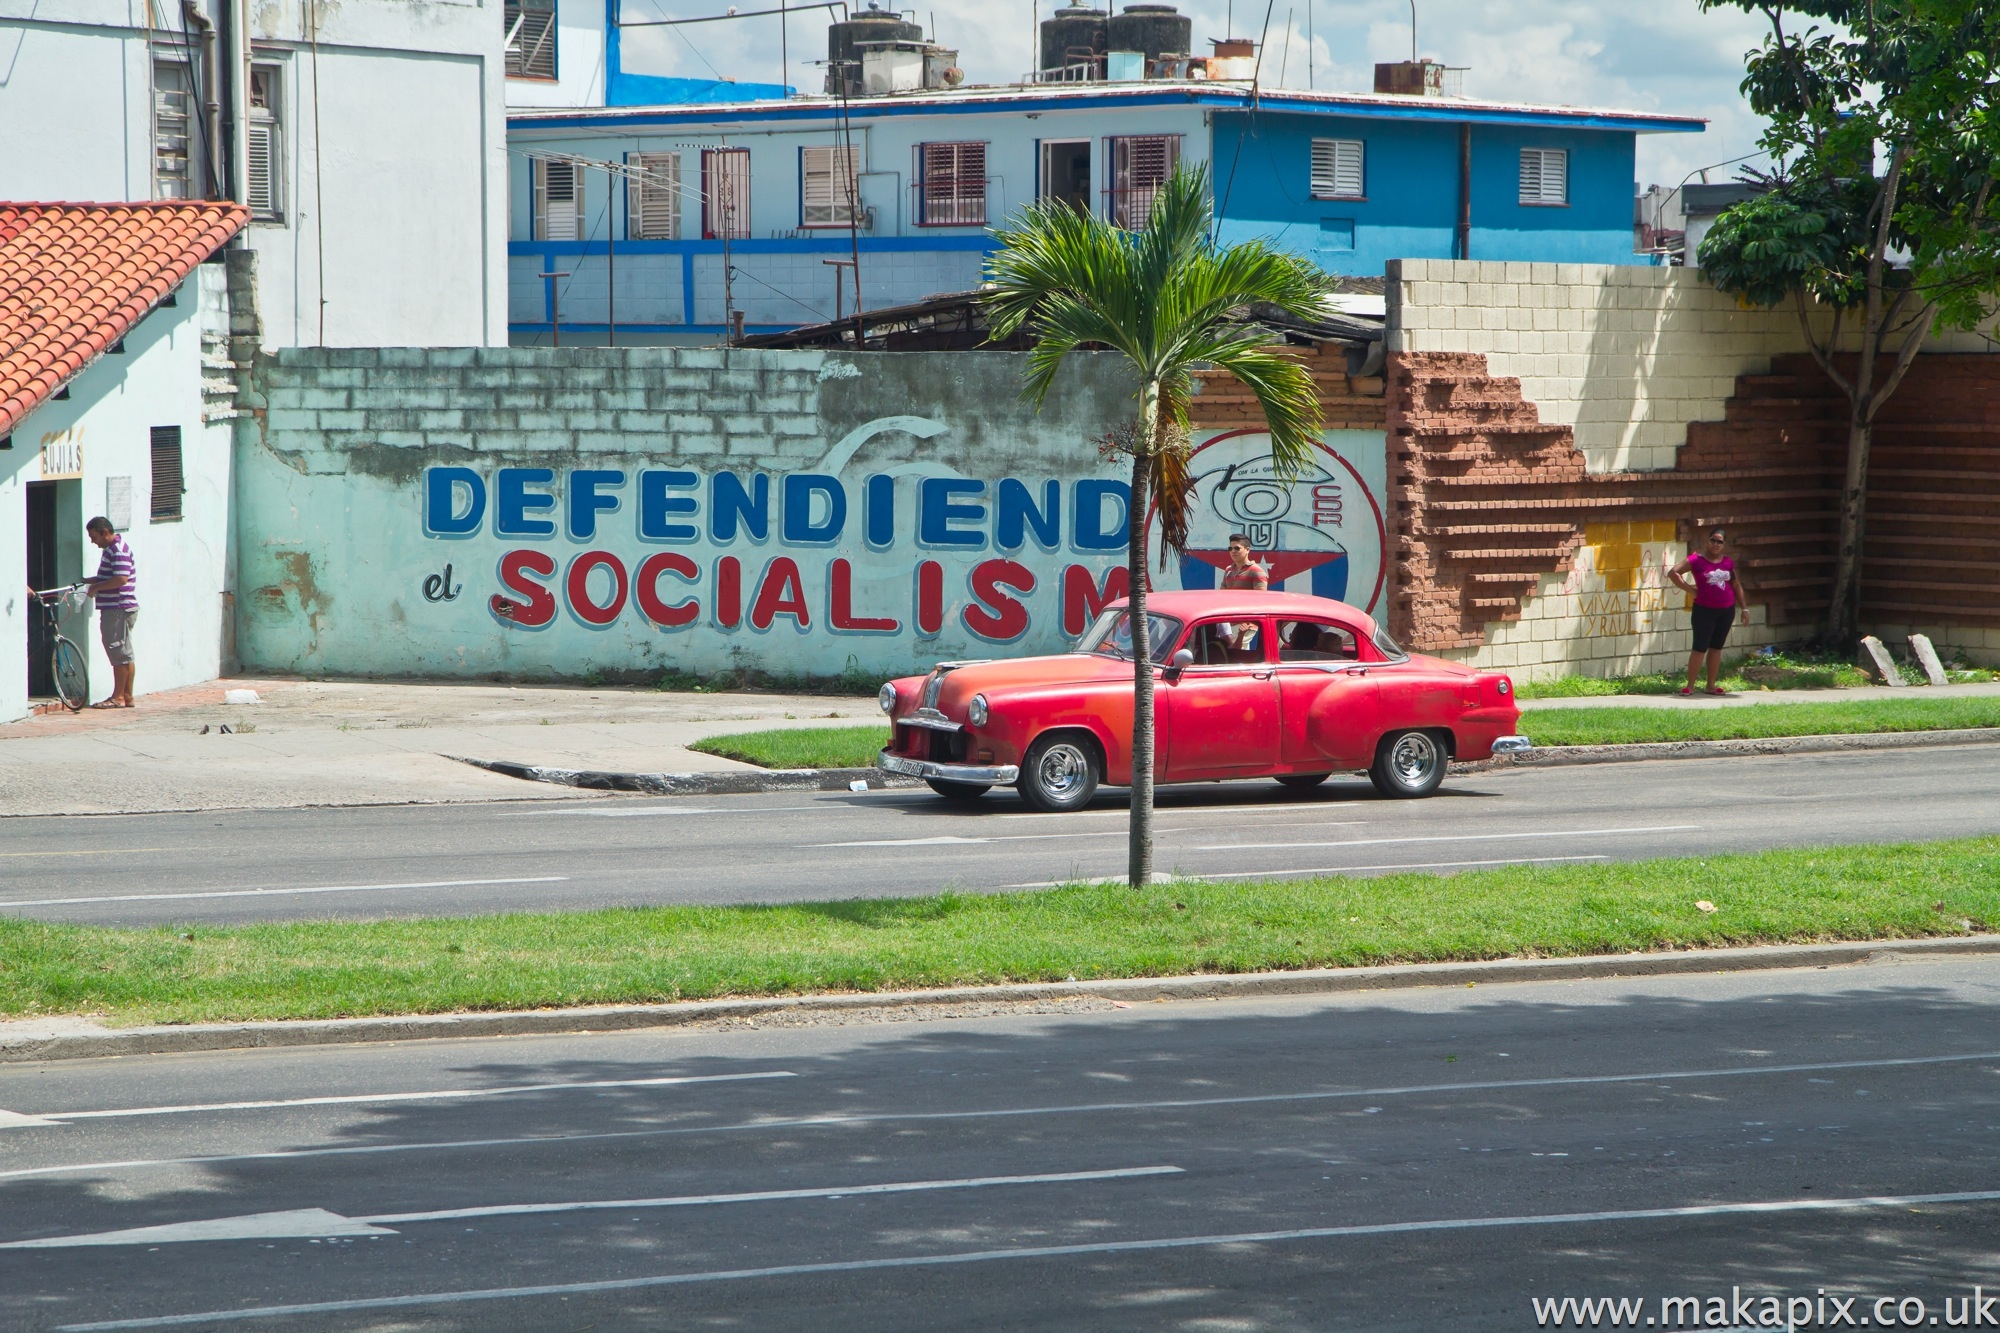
(1659,55)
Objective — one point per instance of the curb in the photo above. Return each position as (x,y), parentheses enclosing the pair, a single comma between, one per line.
(96,1043)
(720,783)
(740,783)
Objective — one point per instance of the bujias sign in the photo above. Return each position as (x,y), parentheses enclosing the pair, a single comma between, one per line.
(915,557)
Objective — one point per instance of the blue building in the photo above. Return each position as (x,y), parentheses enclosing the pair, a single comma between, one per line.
(769,205)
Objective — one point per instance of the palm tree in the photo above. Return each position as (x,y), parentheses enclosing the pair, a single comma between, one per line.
(1165,296)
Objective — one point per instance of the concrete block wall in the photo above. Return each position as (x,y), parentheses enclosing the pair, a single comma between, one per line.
(1624,355)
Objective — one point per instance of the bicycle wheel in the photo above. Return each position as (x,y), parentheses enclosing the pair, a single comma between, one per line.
(66,665)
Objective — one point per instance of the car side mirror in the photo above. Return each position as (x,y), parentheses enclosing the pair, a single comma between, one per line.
(1178,663)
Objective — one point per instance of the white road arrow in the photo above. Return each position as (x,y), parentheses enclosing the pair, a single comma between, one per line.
(313,1222)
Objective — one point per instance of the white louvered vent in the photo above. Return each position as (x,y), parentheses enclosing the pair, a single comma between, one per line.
(1338,169)
(828,188)
(654,212)
(558,202)
(1544,175)
(531,38)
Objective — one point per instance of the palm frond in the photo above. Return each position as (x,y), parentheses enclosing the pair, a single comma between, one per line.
(1283,388)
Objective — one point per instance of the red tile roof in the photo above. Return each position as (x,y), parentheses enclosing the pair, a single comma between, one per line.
(75,278)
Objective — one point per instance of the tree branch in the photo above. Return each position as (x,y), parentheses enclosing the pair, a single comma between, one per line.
(1913,342)
(1822,354)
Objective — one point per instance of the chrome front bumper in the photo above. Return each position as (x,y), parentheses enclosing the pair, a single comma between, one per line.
(1513,745)
(994,775)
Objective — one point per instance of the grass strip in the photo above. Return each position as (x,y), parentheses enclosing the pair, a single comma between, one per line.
(856,747)
(1627,726)
(436,965)
(805,747)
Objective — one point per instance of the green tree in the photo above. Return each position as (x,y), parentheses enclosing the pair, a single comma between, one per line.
(1170,300)
(1885,128)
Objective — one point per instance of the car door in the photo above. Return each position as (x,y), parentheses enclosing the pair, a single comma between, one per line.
(1329,702)
(1223,711)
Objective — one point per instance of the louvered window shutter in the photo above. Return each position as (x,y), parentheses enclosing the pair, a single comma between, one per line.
(1337,169)
(954,184)
(827,187)
(655,213)
(172,127)
(560,207)
(1544,176)
(725,192)
(261,146)
(531,45)
(167,485)
(1140,165)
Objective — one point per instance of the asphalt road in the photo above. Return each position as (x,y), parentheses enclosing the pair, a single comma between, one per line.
(411,860)
(1420,1160)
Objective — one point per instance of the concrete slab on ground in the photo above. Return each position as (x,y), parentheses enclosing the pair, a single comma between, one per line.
(1759,698)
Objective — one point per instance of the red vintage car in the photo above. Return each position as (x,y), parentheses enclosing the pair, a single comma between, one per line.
(1250,685)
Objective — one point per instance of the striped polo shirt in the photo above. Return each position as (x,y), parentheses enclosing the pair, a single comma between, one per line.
(116,560)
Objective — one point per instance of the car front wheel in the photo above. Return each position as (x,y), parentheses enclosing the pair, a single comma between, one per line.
(1060,773)
(958,791)
(1409,764)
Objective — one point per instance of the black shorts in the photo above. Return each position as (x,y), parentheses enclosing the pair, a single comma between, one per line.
(1711,627)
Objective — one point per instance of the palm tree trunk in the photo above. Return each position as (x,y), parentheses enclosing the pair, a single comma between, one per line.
(1140,872)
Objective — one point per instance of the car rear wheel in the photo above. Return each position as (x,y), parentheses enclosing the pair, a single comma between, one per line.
(1302,781)
(1409,764)
(1060,773)
(958,791)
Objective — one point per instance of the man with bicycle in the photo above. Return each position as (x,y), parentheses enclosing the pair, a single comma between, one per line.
(115,586)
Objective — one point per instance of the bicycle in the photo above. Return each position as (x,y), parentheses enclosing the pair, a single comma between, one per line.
(67,663)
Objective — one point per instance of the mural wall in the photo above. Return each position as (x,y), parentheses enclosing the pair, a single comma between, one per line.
(587,511)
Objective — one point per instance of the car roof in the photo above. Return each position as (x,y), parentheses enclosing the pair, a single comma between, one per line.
(1207,602)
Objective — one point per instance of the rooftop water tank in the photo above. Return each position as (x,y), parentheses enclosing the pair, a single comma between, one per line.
(1076,35)
(844,45)
(1155,30)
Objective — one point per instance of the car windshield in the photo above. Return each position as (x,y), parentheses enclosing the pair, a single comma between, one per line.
(1112,635)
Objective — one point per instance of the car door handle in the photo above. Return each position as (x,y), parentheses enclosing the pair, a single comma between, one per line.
(1260,675)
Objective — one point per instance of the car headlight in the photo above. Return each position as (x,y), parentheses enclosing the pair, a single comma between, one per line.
(887,698)
(975,712)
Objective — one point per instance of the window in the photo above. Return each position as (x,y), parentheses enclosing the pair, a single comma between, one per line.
(167,486)
(1227,643)
(1336,169)
(173,131)
(653,211)
(951,185)
(725,193)
(264,146)
(558,201)
(828,187)
(1545,176)
(1315,641)
(1140,165)
(531,38)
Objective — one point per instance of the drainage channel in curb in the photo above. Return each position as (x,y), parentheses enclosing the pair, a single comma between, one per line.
(739,783)
(63,1040)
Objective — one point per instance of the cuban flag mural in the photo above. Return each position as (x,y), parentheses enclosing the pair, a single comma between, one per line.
(1320,532)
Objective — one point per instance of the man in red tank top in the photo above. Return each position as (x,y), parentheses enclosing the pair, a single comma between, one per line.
(1719,596)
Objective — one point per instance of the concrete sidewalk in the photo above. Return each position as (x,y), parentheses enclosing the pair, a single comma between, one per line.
(371,742)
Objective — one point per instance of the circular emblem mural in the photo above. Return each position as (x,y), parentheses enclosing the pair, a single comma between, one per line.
(1320,532)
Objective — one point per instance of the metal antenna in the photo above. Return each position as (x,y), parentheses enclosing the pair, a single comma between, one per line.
(1413,32)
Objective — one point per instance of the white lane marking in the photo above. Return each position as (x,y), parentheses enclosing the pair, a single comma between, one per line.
(643,811)
(1492,1085)
(1163,877)
(96,851)
(1180,811)
(955,840)
(297,1224)
(1449,837)
(318,1222)
(768,1196)
(277,893)
(370,1098)
(1754,1208)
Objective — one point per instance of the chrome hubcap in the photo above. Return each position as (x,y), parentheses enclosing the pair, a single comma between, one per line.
(1063,770)
(1414,757)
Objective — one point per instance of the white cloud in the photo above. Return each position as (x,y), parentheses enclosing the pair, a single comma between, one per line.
(1665,56)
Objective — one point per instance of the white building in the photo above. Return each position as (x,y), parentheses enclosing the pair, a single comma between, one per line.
(108,318)
(366,137)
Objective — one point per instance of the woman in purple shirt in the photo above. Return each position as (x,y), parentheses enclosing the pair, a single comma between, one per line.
(1718,595)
